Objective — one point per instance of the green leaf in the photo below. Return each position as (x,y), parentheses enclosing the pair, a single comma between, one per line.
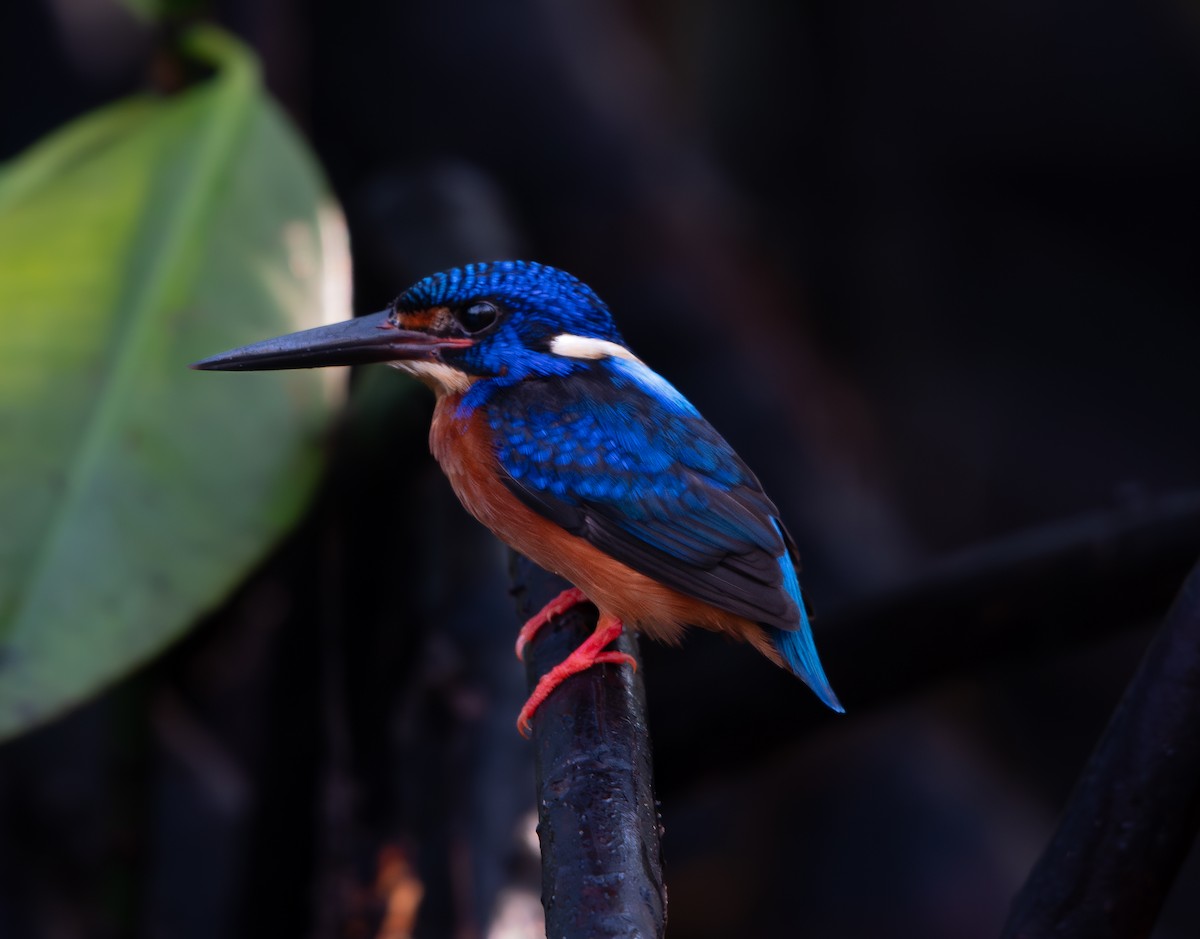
(134,492)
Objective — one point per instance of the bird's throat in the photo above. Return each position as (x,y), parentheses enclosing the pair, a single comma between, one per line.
(439,376)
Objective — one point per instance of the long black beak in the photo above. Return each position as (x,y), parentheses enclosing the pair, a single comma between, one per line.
(354,342)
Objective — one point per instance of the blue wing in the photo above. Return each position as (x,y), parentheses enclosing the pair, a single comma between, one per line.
(616,455)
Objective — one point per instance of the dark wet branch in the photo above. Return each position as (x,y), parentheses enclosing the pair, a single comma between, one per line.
(597,818)
(1135,811)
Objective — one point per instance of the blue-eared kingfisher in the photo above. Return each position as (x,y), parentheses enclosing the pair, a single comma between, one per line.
(581,457)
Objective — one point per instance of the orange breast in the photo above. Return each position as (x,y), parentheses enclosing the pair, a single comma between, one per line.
(464,450)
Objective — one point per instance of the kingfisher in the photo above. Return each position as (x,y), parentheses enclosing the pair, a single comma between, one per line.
(578,455)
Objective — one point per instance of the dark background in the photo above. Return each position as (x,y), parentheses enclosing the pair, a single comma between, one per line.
(931,268)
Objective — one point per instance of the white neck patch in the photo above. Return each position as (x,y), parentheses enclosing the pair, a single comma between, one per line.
(623,362)
(437,375)
(585,347)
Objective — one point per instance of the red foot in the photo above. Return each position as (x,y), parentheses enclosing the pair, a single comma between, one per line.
(570,597)
(590,652)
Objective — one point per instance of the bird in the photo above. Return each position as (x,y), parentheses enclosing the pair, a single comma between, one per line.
(577,454)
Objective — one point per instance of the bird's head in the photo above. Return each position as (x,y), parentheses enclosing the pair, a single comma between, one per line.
(502,320)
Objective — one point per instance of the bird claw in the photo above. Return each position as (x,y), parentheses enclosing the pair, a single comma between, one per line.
(569,598)
(590,652)
(616,658)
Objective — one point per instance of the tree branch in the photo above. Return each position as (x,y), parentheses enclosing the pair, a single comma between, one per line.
(1015,599)
(597,818)
(1136,810)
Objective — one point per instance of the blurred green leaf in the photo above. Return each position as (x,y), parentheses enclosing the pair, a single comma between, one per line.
(134,492)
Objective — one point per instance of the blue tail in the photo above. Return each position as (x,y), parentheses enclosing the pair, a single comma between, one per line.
(797,648)
(796,645)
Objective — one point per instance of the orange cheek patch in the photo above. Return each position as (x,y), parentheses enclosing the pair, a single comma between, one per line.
(424,320)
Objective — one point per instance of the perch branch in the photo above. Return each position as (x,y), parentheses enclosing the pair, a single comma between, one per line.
(597,818)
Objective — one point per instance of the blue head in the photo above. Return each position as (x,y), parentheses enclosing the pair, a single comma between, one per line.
(522,319)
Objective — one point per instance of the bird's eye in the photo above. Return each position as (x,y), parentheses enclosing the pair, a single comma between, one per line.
(478,316)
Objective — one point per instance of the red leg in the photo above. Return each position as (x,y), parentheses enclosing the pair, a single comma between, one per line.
(570,597)
(590,652)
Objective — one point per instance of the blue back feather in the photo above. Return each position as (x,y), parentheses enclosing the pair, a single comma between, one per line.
(645,478)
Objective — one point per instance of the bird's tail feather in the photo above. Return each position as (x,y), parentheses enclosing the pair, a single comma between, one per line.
(800,653)
(796,646)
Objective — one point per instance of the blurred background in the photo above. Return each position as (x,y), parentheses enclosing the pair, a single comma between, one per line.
(931,269)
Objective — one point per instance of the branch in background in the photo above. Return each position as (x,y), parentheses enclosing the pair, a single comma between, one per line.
(1017,599)
(597,818)
(1136,810)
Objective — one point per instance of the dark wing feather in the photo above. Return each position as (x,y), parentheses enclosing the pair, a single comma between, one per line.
(615,455)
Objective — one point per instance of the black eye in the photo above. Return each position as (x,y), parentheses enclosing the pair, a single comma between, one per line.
(478,316)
